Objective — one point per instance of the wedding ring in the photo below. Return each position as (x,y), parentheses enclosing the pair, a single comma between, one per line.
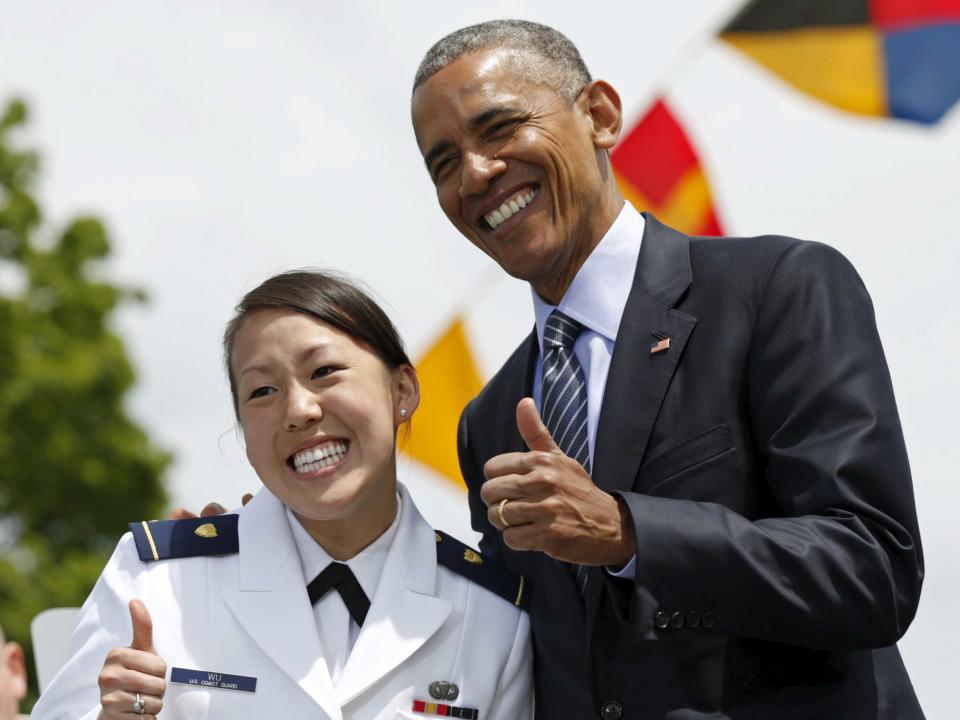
(138,705)
(503,520)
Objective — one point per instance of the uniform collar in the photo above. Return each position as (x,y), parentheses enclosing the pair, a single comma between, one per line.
(598,294)
(367,565)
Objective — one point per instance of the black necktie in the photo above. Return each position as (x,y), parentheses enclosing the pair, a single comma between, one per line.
(340,577)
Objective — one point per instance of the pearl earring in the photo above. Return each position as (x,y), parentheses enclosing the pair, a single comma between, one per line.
(403,412)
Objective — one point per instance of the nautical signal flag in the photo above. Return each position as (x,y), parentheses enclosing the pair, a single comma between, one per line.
(449,379)
(657,169)
(894,58)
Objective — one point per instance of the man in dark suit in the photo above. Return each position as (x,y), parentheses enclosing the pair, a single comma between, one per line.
(715,514)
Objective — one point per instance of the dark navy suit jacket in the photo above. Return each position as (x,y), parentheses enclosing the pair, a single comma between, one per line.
(762,460)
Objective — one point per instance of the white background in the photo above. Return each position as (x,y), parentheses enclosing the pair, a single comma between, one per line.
(223,142)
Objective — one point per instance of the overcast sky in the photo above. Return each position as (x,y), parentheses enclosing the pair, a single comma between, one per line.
(222,142)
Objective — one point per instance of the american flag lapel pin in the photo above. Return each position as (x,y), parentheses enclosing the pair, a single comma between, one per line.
(661,346)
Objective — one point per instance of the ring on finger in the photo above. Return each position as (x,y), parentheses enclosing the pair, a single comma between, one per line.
(138,705)
(503,520)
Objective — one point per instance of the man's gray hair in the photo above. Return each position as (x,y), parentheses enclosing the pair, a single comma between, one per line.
(558,63)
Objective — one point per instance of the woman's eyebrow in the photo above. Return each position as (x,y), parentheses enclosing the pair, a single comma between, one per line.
(307,353)
(252,368)
(302,357)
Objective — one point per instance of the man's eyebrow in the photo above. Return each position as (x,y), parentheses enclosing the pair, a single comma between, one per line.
(478,121)
(437,150)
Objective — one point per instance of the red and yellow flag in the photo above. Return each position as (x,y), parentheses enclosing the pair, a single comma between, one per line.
(658,170)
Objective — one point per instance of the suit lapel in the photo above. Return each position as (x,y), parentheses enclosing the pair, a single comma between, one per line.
(638,379)
(270,601)
(404,612)
(520,385)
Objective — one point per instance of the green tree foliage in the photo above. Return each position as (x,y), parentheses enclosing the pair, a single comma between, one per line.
(74,468)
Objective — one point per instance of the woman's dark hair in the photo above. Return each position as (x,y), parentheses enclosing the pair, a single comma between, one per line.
(329,297)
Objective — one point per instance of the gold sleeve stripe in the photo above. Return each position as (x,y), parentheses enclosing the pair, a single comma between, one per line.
(519,593)
(153,547)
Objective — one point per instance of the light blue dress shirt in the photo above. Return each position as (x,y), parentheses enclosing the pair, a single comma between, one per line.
(596,299)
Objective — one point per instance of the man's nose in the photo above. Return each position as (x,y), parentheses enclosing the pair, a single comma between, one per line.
(477,170)
(303,408)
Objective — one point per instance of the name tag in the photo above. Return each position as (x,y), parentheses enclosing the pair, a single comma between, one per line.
(207,679)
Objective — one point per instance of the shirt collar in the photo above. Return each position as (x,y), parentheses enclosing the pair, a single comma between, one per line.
(367,565)
(599,291)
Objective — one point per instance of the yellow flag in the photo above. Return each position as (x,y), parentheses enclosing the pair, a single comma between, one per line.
(448,380)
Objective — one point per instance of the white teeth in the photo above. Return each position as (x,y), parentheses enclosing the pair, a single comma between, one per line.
(509,208)
(330,453)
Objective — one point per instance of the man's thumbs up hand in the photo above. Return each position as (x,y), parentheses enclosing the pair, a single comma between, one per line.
(532,429)
(544,500)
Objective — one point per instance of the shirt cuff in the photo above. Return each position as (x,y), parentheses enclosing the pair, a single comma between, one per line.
(627,572)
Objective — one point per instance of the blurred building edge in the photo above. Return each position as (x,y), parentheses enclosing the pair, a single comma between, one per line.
(13,679)
(50,632)
(449,379)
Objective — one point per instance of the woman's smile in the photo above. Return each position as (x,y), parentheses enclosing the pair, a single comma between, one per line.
(325,456)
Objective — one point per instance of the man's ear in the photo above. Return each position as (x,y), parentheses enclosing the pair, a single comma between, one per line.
(11,656)
(407,389)
(602,104)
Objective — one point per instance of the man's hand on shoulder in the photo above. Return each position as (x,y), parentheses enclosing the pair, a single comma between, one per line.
(209,510)
(544,500)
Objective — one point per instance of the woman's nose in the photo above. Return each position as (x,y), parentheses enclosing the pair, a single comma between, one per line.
(303,409)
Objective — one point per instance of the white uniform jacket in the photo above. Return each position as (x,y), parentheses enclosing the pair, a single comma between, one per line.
(247,614)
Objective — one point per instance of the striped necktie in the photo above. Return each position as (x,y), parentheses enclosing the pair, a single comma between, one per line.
(563,400)
(563,395)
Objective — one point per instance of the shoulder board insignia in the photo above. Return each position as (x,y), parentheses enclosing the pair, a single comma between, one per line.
(487,572)
(171,539)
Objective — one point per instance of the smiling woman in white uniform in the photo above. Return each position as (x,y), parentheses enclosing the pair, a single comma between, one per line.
(328,595)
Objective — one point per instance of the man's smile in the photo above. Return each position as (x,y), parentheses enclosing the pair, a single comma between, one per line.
(512,205)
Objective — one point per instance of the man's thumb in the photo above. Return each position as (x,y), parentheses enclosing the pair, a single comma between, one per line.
(142,627)
(532,429)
